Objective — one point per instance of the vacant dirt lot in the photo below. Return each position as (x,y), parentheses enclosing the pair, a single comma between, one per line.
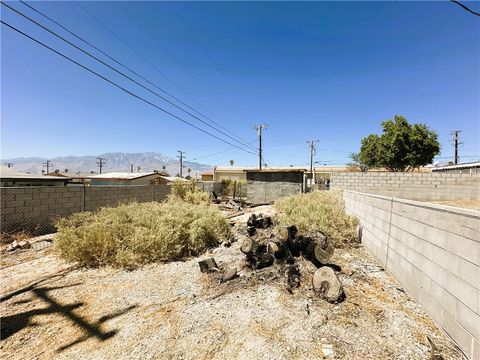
(172,311)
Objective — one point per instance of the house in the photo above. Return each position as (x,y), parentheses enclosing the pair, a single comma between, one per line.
(206,176)
(465,168)
(124,178)
(75,178)
(10,177)
(269,184)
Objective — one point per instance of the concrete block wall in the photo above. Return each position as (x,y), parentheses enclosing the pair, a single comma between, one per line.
(434,252)
(414,186)
(259,192)
(35,209)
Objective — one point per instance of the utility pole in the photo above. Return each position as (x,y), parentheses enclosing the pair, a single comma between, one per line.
(131,168)
(47,165)
(311,144)
(456,143)
(100,163)
(181,155)
(9,164)
(259,129)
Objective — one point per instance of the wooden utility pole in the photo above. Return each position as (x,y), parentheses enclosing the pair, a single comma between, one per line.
(47,165)
(259,129)
(311,144)
(100,163)
(131,168)
(181,155)
(456,143)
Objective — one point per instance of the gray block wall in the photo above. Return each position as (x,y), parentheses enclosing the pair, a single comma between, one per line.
(35,209)
(414,186)
(434,252)
(259,192)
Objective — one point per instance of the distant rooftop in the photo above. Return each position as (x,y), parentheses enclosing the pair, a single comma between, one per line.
(10,173)
(458,166)
(122,175)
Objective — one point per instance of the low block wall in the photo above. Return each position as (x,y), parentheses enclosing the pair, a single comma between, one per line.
(35,209)
(259,192)
(434,252)
(414,186)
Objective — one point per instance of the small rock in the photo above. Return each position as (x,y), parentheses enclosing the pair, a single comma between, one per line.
(327,350)
(229,274)
(24,244)
(13,246)
(318,321)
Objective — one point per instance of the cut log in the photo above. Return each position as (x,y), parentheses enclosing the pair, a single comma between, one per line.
(208,265)
(327,285)
(318,249)
(263,259)
(249,246)
(251,230)
(279,249)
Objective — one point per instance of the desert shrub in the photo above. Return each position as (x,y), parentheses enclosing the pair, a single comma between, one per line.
(188,192)
(237,187)
(318,211)
(134,234)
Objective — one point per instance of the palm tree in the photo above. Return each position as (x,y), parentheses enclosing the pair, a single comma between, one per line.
(231,162)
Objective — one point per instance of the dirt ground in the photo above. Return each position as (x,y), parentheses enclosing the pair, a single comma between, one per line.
(467,204)
(51,309)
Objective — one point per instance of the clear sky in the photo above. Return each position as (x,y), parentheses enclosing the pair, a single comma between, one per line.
(330,71)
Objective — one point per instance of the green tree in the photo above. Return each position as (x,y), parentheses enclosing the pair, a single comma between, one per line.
(356,163)
(401,147)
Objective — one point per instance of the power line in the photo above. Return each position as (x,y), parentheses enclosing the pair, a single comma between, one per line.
(120,87)
(118,71)
(100,163)
(465,7)
(181,155)
(259,129)
(128,68)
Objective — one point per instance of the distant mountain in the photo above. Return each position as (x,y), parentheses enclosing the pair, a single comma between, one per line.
(113,162)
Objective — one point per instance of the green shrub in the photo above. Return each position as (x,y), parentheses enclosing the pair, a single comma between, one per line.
(134,234)
(318,211)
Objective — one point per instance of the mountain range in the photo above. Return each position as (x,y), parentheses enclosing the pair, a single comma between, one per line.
(142,162)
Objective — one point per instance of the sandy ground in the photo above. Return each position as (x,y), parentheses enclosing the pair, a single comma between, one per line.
(50,309)
(467,204)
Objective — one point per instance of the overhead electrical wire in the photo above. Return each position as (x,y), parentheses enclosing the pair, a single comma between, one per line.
(149,63)
(121,87)
(119,72)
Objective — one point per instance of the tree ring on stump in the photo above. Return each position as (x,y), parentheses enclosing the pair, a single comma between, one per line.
(326,284)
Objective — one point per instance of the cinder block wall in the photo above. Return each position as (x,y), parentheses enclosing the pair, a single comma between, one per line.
(259,192)
(35,209)
(414,186)
(434,252)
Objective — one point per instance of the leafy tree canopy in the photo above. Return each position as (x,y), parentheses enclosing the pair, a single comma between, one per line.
(401,147)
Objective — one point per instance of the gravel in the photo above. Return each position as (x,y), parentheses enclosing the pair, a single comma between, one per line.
(173,311)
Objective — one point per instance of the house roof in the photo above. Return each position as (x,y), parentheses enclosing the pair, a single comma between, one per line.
(9,173)
(122,175)
(241,169)
(458,166)
(173,178)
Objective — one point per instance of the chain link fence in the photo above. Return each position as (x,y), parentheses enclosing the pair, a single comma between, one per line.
(36,209)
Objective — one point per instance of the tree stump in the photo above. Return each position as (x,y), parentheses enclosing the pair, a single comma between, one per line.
(249,246)
(327,285)
(208,265)
(318,249)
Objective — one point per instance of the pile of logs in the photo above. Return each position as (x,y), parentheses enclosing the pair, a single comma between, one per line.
(288,245)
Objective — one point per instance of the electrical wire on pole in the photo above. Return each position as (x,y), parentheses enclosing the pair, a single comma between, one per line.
(111,82)
(181,156)
(311,144)
(100,164)
(122,74)
(456,144)
(259,129)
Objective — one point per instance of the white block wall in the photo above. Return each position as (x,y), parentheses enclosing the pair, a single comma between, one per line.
(434,252)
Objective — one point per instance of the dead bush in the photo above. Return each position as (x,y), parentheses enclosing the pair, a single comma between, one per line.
(188,192)
(318,211)
(134,234)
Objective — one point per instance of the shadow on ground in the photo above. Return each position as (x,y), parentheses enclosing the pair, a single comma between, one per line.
(12,324)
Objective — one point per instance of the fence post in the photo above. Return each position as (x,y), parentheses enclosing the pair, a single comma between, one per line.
(83,197)
(153,197)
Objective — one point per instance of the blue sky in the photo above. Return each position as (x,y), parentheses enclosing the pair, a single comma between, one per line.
(330,71)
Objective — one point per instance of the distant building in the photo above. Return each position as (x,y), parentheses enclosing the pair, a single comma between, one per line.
(10,177)
(240,173)
(168,180)
(206,176)
(124,178)
(465,168)
(75,178)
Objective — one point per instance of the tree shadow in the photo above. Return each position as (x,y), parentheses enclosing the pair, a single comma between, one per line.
(14,323)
